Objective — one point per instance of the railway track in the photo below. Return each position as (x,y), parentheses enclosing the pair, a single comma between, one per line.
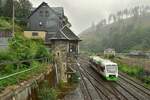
(110,93)
(135,83)
(124,89)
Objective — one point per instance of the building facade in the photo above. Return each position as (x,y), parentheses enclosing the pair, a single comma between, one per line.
(51,25)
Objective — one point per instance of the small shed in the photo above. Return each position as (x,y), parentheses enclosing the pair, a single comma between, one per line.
(109,51)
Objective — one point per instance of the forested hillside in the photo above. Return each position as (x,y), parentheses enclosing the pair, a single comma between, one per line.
(22,10)
(124,31)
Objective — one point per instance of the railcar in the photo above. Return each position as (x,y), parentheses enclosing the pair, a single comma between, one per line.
(105,67)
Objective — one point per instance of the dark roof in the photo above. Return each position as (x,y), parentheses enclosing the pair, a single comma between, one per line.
(35,9)
(69,34)
(64,34)
(57,10)
(54,36)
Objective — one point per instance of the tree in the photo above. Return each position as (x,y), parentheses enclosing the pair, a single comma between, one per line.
(8,8)
(104,21)
(110,18)
(147,8)
(135,11)
(23,8)
(126,12)
(1,11)
(114,18)
(119,15)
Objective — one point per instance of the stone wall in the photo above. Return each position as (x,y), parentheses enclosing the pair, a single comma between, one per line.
(60,50)
(63,58)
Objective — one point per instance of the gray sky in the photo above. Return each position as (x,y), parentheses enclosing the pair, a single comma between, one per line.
(82,13)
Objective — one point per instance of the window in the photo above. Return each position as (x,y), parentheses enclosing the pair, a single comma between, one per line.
(41,13)
(46,14)
(72,48)
(34,34)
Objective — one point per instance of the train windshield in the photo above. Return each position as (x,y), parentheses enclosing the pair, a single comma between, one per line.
(111,68)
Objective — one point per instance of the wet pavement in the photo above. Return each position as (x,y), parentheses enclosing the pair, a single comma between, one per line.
(75,95)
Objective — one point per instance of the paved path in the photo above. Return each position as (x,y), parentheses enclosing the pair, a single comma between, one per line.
(74,95)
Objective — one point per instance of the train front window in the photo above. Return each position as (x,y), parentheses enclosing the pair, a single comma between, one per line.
(111,68)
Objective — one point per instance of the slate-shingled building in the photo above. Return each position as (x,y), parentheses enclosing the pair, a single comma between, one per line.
(50,24)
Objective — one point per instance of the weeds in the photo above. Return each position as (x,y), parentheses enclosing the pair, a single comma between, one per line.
(135,71)
(45,92)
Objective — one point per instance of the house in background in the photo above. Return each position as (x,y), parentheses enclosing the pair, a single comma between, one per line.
(51,25)
(109,52)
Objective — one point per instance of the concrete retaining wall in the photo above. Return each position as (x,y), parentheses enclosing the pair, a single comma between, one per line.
(26,90)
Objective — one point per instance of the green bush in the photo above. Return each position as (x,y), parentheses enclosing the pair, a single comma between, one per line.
(45,92)
(24,48)
(21,48)
(131,70)
(75,78)
(61,84)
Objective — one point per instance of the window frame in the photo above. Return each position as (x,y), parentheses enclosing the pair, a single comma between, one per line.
(34,34)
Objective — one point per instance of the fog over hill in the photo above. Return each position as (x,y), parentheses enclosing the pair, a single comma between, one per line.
(126,30)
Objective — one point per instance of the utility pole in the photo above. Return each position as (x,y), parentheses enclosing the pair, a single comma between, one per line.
(13,19)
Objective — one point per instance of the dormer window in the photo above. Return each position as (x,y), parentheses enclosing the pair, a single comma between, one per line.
(41,13)
(46,13)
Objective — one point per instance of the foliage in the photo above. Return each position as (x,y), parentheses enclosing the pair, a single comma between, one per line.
(37,68)
(6,25)
(75,78)
(61,84)
(22,10)
(131,70)
(130,33)
(21,48)
(135,71)
(45,92)
(7,8)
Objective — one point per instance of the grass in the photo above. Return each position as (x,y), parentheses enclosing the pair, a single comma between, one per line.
(131,70)
(40,67)
(136,72)
(45,92)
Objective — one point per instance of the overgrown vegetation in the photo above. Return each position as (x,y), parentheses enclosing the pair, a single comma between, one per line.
(31,52)
(45,92)
(22,10)
(6,25)
(64,88)
(75,78)
(136,72)
(131,70)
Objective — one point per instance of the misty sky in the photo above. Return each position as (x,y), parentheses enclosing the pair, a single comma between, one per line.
(82,13)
